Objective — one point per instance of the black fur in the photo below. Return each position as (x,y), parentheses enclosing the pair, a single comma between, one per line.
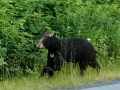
(75,50)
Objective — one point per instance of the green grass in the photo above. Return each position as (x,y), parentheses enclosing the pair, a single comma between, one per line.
(66,78)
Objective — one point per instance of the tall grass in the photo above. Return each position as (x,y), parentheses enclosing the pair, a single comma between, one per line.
(67,78)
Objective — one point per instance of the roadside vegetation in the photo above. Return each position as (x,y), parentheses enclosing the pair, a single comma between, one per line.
(21,26)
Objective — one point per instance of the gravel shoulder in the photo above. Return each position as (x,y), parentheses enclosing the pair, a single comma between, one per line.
(111,85)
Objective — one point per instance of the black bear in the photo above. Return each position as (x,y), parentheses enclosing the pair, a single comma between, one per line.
(75,50)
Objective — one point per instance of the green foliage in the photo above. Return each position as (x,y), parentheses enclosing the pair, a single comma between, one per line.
(22,21)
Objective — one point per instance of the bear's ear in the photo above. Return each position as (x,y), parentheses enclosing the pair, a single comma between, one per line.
(52,34)
(44,32)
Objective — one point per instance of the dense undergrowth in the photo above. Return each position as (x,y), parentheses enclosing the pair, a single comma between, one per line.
(22,23)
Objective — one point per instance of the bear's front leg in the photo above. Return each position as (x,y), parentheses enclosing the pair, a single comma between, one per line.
(47,70)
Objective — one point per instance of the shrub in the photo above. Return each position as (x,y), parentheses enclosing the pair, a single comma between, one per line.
(22,22)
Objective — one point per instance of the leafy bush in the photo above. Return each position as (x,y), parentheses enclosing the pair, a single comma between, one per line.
(22,22)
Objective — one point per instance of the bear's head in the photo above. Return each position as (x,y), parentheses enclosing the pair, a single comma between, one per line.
(46,41)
